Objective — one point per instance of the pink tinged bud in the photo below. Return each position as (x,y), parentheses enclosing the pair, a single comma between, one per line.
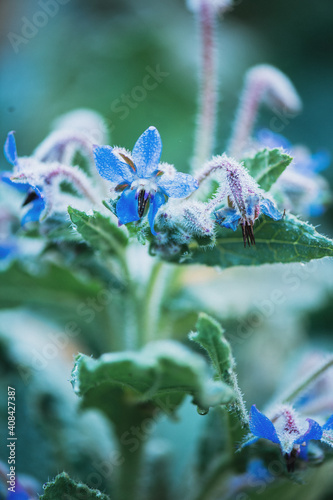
(236,191)
(218,6)
(273,87)
(263,84)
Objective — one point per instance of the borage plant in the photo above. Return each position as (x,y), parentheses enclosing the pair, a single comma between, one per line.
(113,233)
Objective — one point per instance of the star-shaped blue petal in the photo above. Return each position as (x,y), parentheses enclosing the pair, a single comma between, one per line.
(10,149)
(144,184)
(147,153)
(261,426)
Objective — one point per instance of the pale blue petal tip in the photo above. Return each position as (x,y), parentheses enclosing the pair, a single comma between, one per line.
(180,186)
(268,208)
(147,152)
(110,167)
(10,149)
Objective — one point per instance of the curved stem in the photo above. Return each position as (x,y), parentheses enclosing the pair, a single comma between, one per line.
(308,381)
(204,141)
(77,178)
(245,118)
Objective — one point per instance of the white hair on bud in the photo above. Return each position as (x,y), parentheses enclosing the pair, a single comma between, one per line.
(190,215)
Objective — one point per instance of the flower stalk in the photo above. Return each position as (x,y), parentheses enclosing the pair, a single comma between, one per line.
(206,123)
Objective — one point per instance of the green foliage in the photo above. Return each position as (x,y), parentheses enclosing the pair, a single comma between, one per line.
(99,231)
(288,240)
(267,166)
(162,374)
(210,335)
(51,286)
(63,487)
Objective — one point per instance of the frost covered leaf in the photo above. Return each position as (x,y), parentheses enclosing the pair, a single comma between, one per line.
(162,374)
(64,487)
(98,231)
(288,240)
(210,335)
(267,166)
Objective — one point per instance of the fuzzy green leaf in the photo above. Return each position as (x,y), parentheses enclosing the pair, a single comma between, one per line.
(288,240)
(64,487)
(267,166)
(210,335)
(162,374)
(99,231)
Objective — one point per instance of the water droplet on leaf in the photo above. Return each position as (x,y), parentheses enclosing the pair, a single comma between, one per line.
(201,411)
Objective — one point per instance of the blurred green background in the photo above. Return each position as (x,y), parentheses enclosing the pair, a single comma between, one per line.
(88,54)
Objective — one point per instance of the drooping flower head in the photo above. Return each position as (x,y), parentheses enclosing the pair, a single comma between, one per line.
(41,181)
(34,199)
(144,182)
(301,187)
(244,198)
(290,431)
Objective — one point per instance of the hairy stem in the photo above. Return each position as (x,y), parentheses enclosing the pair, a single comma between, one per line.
(76,177)
(314,375)
(245,118)
(204,142)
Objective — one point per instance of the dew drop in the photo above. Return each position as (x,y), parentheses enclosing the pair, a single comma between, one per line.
(201,411)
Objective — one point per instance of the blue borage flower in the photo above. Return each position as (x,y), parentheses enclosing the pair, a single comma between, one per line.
(231,218)
(302,187)
(7,248)
(246,200)
(34,194)
(289,431)
(144,183)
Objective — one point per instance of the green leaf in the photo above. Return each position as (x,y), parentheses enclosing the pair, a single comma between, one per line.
(288,240)
(210,336)
(64,487)
(99,231)
(267,166)
(162,374)
(52,286)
